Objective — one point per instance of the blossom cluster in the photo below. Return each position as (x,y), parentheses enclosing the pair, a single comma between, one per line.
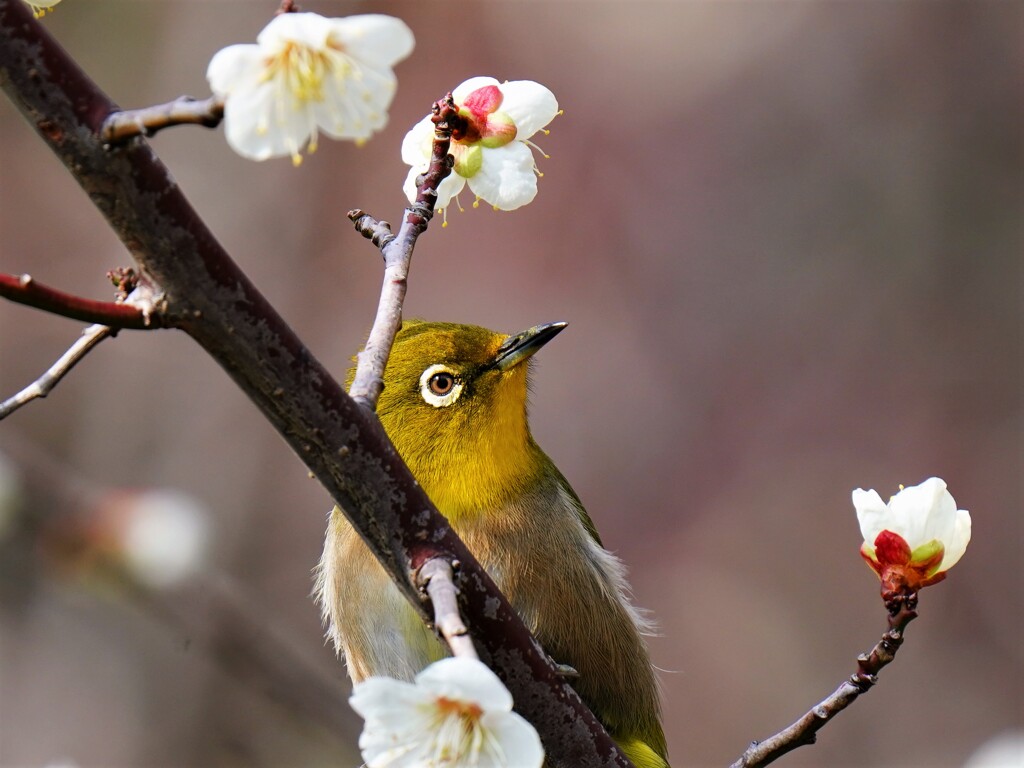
(307,74)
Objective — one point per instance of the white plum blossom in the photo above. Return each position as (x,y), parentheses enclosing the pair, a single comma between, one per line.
(164,535)
(156,538)
(491,148)
(306,74)
(914,539)
(456,713)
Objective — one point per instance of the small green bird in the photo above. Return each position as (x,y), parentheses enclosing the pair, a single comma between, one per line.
(454,404)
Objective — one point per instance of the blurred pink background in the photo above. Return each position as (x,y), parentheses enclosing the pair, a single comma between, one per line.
(787,237)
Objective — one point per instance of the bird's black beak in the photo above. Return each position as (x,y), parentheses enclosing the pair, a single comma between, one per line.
(522,346)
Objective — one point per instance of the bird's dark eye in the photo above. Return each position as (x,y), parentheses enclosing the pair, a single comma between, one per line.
(440,386)
(441,383)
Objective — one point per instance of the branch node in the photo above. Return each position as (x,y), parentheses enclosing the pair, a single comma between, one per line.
(378,232)
(125,279)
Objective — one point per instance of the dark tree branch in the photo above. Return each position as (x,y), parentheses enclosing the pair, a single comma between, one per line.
(902,610)
(184,110)
(25,290)
(213,301)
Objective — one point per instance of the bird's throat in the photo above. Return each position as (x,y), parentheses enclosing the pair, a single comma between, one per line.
(480,467)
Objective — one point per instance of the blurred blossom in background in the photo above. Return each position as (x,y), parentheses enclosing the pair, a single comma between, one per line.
(787,237)
(1003,751)
(164,536)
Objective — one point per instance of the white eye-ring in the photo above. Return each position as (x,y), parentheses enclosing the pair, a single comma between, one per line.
(440,386)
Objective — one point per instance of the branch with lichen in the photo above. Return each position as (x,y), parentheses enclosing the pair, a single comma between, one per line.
(901,607)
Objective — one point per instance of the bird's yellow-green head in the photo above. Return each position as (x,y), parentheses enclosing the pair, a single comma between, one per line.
(454,405)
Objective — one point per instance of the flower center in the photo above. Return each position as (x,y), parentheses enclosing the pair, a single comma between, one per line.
(482,122)
(303,69)
(458,733)
(466,711)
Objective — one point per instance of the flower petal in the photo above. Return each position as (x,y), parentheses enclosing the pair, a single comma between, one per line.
(310,29)
(416,146)
(514,742)
(380,697)
(354,110)
(923,512)
(506,178)
(463,679)
(530,105)
(374,38)
(234,67)
(956,545)
(448,189)
(872,513)
(259,126)
(462,91)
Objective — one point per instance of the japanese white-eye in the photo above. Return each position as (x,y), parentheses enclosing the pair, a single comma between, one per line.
(454,404)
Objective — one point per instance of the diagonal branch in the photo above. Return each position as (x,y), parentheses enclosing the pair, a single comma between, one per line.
(24,289)
(343,445)
(804,731)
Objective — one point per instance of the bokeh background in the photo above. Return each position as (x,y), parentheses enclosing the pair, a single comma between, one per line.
(787,236)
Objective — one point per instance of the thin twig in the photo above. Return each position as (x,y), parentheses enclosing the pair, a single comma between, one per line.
(368,382)
(437,578)
(142,300)
(184,110)
(23,289)
(41,387)
(804,731)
